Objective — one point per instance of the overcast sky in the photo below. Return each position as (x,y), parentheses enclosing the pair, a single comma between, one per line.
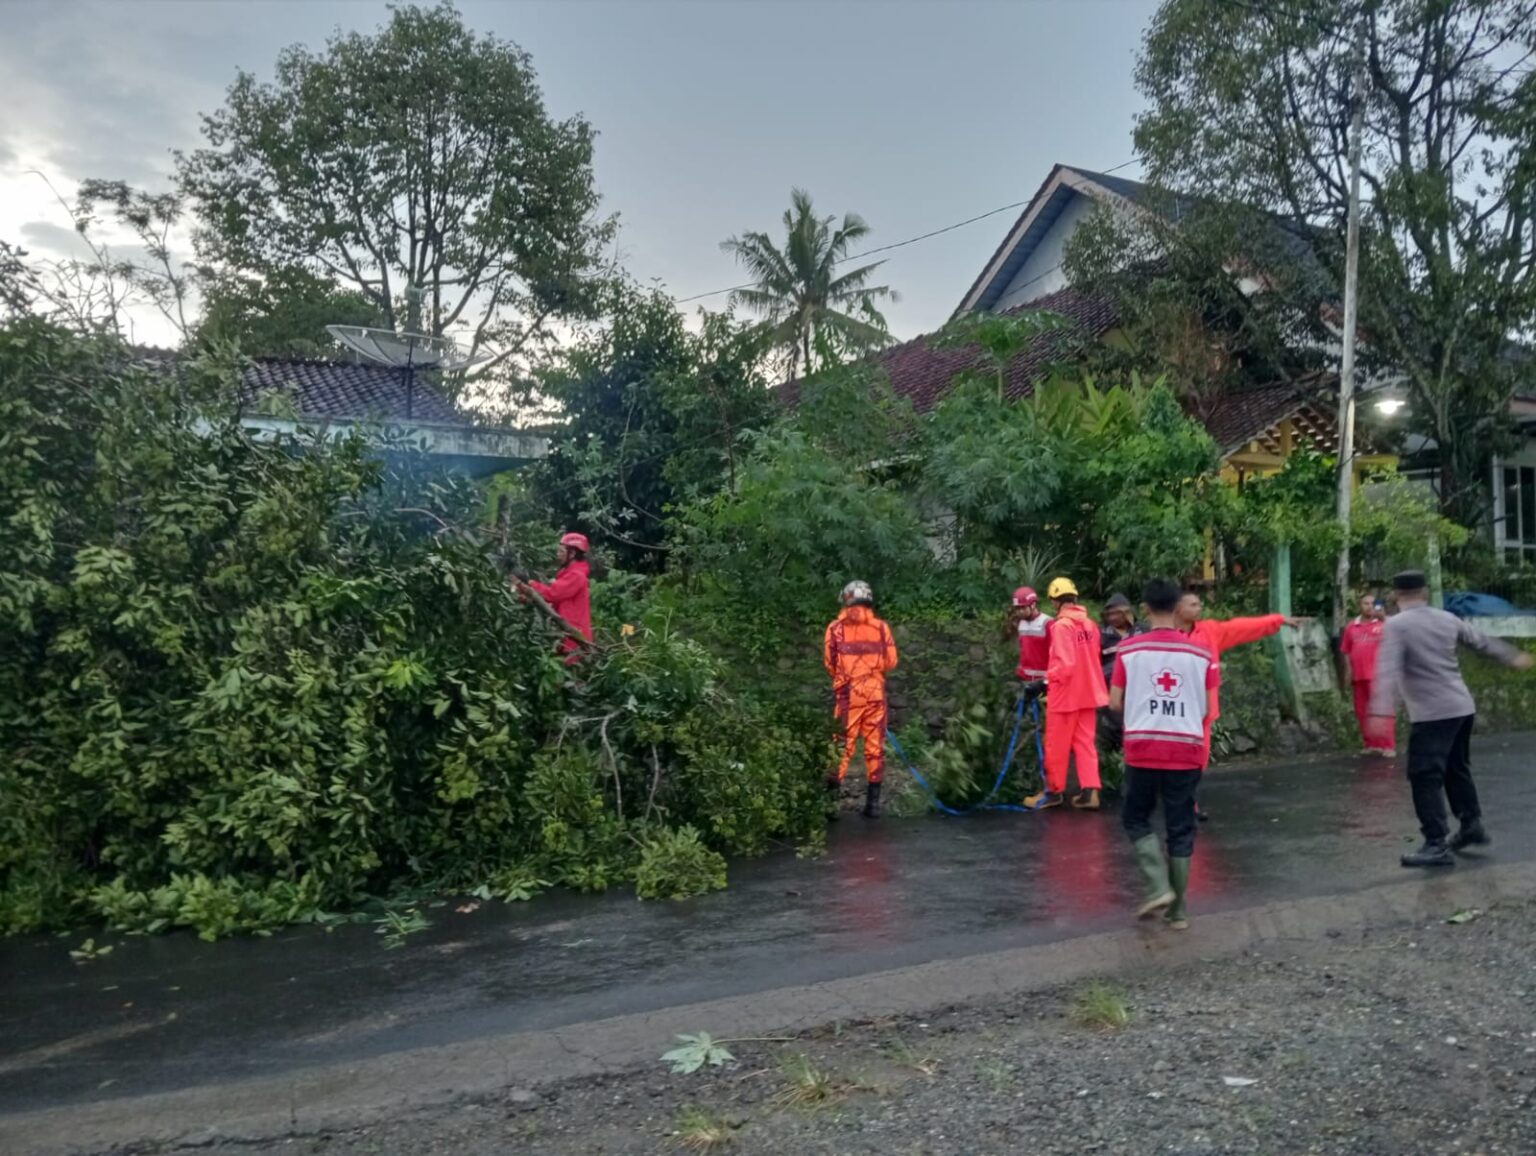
(915,114)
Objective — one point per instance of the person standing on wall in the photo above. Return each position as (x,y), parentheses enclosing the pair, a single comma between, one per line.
(1075,690)
(859,651)
(1418,666)
(1119,625)
(1165,684)
(1360,646)
(570,594)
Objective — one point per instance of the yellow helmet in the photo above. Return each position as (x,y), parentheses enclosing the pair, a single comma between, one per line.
(1060,588)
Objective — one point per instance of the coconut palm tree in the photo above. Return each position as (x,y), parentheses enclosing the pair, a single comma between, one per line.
(813,313)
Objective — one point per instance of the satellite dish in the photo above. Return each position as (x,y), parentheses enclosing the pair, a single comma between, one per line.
(406,352)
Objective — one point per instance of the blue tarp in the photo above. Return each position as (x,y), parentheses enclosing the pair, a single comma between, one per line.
(1466,604)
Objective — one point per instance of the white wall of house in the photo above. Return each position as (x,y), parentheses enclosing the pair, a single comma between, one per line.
(1042,273)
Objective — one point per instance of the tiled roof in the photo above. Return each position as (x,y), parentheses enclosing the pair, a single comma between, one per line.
(1246,415)
(923,374)
(335,389)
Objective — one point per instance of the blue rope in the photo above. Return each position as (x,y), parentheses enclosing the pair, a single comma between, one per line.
(986,803)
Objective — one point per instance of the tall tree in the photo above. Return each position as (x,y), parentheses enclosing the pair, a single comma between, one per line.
(1251,103)
(813,313)
(654,412)
(283,314)
(421,155)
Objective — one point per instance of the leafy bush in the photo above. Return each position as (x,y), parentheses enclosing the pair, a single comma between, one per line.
(676,865)
(246,681)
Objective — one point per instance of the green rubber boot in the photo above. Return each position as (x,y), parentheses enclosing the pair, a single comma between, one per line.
(1154,870)
(1178,875)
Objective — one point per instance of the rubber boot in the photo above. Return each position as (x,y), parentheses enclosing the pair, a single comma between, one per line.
(1178,876)
(1154,871)
(872,801)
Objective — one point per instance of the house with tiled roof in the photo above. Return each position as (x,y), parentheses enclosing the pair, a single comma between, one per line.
(406,407)
(1256,429)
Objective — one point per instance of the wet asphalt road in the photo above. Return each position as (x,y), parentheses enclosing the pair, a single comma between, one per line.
(162,1013)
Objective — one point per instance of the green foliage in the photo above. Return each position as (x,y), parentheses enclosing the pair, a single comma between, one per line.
(654,414)
(281,314)
(243,682)
(815,313)
(1119,483)
(694,1051)
(677,865)
(1243,108)
(420,154)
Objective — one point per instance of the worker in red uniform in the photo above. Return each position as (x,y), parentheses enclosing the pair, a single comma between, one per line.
(1360,644)
(1032,625)
(1075,690)
(1217,636)
(570,594)
(858,651)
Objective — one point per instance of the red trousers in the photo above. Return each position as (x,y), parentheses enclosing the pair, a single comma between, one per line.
(864,719)
(1068,733)
(1363,712)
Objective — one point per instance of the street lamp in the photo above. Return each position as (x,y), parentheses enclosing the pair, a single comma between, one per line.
(1388,406)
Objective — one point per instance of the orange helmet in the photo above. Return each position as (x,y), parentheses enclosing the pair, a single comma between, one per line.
(576,542)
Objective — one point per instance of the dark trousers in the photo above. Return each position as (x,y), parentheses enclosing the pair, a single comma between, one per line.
(1440,768)
(1143,788)
(1111,730)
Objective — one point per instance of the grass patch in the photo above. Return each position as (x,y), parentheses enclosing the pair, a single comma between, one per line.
(699,1131)
(1101,1007)
(907,1056)
(808,1084)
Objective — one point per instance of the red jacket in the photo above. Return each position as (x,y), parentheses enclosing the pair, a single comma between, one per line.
(1362,642)
(1218,636)
(1034,647)
(1074,679)
(570,596)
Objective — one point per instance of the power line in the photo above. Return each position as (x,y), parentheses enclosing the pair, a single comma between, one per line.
(899,244)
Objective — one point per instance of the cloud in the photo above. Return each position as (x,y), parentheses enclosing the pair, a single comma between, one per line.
(56,239)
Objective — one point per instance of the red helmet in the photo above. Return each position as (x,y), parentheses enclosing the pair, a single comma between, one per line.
(576,542)
(1025,596)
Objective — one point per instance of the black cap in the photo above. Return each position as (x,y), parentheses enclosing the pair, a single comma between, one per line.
(1117,602)
(1409,581)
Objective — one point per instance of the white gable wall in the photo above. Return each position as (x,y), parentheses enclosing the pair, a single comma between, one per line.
(1042,272)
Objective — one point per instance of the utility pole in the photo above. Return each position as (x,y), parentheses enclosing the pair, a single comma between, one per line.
(1347,358)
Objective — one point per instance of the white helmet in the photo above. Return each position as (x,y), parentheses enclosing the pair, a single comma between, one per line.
(857,591)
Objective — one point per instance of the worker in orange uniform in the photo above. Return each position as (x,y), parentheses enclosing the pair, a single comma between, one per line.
(570,594)
(1074,690)
(1218,636)
(858,651)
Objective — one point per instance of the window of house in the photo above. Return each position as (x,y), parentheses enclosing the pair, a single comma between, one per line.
(1515,512)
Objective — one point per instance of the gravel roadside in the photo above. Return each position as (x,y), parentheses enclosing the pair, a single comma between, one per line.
(1410,1039)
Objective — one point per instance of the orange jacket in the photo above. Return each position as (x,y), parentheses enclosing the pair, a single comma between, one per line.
(1074,678)
(858,649)
(1217,636)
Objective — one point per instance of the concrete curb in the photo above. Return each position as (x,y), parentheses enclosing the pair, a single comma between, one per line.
(354,1095)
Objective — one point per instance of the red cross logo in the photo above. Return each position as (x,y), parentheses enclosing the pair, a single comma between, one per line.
(1167,683)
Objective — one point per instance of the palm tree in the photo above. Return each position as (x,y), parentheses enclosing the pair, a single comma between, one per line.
(814,315)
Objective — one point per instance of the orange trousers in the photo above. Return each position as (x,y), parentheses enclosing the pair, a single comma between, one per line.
(1068,733)
(863,719)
